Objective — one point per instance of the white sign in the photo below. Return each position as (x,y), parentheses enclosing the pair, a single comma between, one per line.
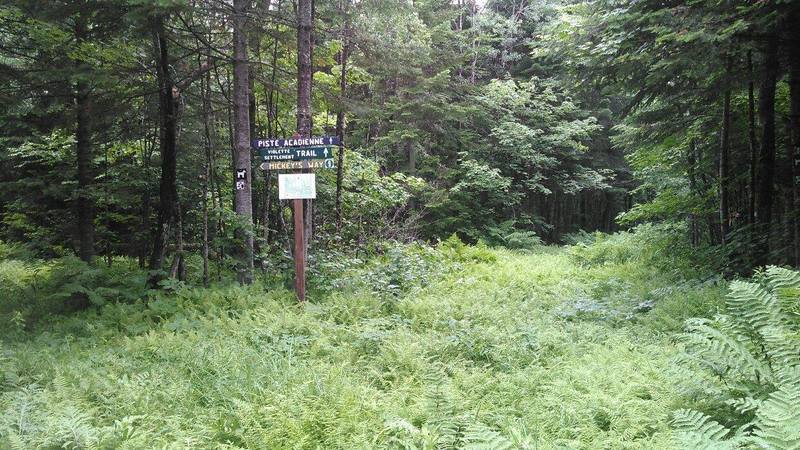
(297,185)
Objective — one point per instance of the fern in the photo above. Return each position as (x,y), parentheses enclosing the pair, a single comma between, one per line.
(754,349)
(778,417)
(697,431)
(481,437)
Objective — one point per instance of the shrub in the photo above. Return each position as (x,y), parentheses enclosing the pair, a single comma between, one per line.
(662,246)
(31,289)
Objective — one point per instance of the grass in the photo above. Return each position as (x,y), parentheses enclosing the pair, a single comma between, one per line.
(533,350)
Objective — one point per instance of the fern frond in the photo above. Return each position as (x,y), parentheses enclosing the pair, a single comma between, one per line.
(782,346)
(786,286)
(717,347)
(751,305)
(481,437)
(778,419)
(779,278)
(695,430)
(745,404)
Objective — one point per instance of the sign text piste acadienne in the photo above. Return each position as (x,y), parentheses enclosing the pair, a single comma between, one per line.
(319,141)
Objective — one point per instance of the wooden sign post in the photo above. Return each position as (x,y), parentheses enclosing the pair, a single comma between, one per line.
(298,187)
(294,154)
(299,251)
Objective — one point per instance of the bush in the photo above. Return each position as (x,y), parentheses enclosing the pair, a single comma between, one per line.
(394,269)
(662,246)
(32,289)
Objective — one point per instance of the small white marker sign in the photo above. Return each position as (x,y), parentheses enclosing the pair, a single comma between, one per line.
(297,186)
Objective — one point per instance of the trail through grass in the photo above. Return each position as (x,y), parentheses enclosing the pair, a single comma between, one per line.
(531,350)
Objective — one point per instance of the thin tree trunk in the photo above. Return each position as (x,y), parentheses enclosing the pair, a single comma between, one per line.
(265,214)
(254,43)
(242,161)
(168,191)
(305,19)
(691,163)
(751,128)
(411,151)
(724,157)
(340,115)
(178,268)
(206,95)
(205,227)
(766,163)
(83,147)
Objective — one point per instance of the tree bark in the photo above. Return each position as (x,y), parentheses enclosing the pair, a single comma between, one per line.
(207,178)
(83,147)
(305,18)
(751,129)
(242,175)
(168,190)
(304,24)
(690,172)
(178,269)
(794,124)
(766,163)
(340,115)
(724,157)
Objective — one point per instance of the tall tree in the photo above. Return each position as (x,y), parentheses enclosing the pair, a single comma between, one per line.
(83,145)
(794,125)
(168,122)
(344,55)
(243,159)
(305,20)
(724,156)
(766,162)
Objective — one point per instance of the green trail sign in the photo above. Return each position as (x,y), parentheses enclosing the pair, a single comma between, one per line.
(295,153)
(318,141)
(302,164)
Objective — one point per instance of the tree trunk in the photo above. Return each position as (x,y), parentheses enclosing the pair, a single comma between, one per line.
(766,163)
(794,124)
(690,171)
(168,191)
(178,269)
(751,128)
(242,161)
(305,19)
(83,147)
(254,44)
(724,157)
(207,179)
(340,115)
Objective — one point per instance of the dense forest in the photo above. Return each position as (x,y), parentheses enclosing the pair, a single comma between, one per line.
(550,224)
(124,123)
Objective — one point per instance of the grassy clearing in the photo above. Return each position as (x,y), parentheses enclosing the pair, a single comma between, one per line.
(526,349)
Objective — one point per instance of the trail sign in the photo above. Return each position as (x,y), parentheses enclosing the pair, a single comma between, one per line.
(292,186)
(297,165)
(295,153)
(319,141)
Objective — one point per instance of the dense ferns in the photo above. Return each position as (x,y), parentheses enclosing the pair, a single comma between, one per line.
(754,351)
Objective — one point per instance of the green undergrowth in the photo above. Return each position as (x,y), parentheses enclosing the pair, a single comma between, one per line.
(498,349)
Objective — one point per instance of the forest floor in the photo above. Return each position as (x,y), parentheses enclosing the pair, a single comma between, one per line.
(531,350)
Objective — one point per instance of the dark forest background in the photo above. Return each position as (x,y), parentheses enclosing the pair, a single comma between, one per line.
(508,122)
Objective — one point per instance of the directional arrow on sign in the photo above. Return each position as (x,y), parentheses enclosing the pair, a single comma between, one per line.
(317,141)
(295,153)
(304,164)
